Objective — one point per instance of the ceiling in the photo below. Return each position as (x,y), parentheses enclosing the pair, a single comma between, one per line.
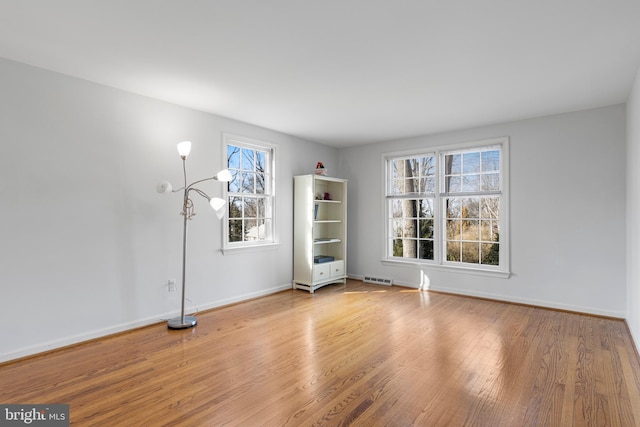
(341,72)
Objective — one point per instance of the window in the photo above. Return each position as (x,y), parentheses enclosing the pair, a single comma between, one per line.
(250,193)
(447,206)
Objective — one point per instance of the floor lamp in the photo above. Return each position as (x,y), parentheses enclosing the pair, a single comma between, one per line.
(184,148)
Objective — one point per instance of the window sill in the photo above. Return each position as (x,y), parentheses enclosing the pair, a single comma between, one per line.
(450,268)
(250,248)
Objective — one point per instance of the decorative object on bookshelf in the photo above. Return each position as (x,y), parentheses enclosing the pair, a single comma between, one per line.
(319,259)
(320,169)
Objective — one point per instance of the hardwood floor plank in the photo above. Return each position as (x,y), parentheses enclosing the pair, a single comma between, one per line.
(354,354)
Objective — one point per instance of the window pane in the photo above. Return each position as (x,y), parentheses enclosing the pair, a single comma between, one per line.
(427,184)
(471,162)
(470,252)
(234,184)
(410,228)
(409,248)
(233,157)
(268,226)
(248,184)
(490,160)
(397,186)
(250,229)
(454,208)
(453,251)
(426,229)
(452,164)
(396,208)
(491,182)
(454,229)
(409,208)
(428,166)
(471,229)
(248,163)
(490,208)
(397,247)
(235,230)
(426,208)
(398,168)
(470,207)
(235,207)
(489,231)
(470,183)
(260,161)
(250,207)
(396,228)
(452,184)
(260,183)
(399,177)
(425,250)
(411,185)
(490,253)
(261,208)
(256,231)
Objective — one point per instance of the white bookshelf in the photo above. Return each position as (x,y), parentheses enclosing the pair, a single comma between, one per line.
(320,229)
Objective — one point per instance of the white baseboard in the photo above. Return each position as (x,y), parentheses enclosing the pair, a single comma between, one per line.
(99,333)
(526,301)
(529,301)
(244,297)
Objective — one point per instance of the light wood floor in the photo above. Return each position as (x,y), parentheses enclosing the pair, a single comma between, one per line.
(348,355)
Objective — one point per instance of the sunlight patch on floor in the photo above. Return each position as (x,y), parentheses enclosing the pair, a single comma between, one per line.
(365,292)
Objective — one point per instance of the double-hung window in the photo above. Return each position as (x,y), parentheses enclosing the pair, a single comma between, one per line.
(447,206)
(250,193)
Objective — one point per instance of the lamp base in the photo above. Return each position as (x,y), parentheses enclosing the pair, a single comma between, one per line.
(180,323)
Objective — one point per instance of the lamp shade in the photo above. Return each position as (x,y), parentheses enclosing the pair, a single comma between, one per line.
(184,148)
(224,175)
(217,203)
(164,187)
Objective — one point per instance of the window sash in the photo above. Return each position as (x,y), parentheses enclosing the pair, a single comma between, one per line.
(412,175)
(473,170)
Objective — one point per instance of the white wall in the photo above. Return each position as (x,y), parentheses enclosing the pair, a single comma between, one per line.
(633,211)
(87,245)
(567,212)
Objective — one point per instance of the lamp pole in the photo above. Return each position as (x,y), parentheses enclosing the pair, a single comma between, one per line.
(183,321)
(184,148)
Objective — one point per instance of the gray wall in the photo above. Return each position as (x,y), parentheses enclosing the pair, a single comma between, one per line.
(87,244)
(633,211)
(567,213)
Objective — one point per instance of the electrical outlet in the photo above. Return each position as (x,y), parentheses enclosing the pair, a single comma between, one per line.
(171,285)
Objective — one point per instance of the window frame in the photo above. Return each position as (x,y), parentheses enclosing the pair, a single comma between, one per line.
(439,260)
(229,247)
